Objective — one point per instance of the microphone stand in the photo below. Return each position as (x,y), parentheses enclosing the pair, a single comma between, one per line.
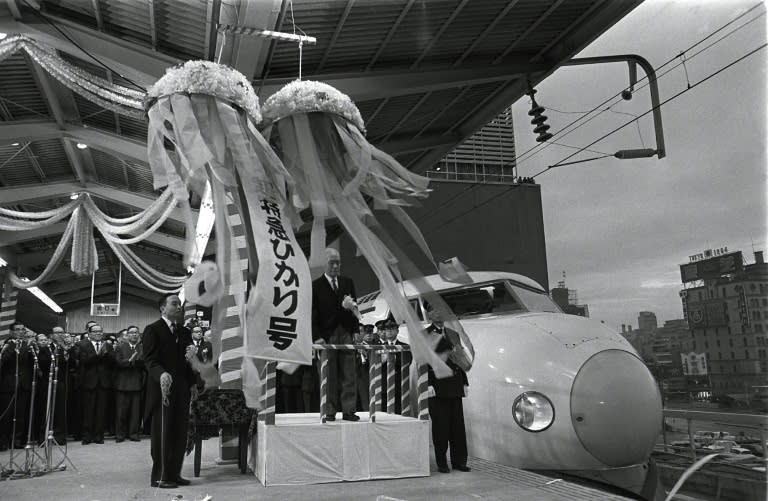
(49,409)
(13,466)
(30,448)
(50,440)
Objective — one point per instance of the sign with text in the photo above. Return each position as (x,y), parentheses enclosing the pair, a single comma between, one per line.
(715,267)
(694,364)
(105,310)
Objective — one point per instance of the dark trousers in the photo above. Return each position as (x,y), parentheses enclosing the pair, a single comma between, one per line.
(447,415)
(310,387)
(169,434)
(363,398)
(22,416)
(6,419)
(127,420)
(94,413)
(74,408)
(342,387)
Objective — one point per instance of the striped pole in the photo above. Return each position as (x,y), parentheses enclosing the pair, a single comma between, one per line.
(405,384)
(323,385)
(8,309)
(269,393)
(391,383)
(374,379)
(231,359)
(423,396)
(377,388)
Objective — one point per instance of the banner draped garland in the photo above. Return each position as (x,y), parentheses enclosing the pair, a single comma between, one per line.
(319,135)
(79,234)
(113,97)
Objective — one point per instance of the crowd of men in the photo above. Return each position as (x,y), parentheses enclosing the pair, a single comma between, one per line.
(91,384)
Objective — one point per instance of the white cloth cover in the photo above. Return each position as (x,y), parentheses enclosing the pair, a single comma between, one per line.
(299,450)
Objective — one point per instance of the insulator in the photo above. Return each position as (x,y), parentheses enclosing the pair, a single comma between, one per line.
(536,110)
(543,137)
(539,119)
(541,129)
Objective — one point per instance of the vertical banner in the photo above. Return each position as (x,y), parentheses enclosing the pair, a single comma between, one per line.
(279,325)
(7,309)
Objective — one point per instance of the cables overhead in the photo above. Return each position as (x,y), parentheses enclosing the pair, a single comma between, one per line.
(64,34)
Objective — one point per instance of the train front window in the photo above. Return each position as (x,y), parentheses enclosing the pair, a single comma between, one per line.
(533,300)
(482,299)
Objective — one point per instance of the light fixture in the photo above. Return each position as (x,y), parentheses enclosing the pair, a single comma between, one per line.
(258,32)
(82,146)
(2,36)
(14,144)
(74,196)
(3,262)
(42,296)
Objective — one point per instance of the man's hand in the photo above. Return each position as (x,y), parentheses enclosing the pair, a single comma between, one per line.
(191,352)
(466,391)
(430,391)
(165,387)
(320,341)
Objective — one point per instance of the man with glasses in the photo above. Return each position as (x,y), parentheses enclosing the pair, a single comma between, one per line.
(96,358)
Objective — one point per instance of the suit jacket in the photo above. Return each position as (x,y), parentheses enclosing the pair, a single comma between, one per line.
(8,369)
(204,351)
(327,313)
(129,374)
(95,368)
(162,353)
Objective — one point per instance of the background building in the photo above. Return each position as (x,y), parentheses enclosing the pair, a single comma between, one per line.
(727,308)
(646,320)
(567,299)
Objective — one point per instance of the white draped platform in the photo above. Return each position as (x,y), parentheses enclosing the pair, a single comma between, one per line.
(298,449)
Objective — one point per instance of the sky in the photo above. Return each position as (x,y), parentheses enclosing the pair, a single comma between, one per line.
(621,228)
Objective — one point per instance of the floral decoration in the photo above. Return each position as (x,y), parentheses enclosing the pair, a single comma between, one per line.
(205,77)
(306,96)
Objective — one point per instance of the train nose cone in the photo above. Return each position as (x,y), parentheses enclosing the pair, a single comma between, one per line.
(616,408)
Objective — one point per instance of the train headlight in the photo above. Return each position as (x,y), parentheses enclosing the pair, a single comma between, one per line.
(533,411)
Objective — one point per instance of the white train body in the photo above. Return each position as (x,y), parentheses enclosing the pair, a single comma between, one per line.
(607,406)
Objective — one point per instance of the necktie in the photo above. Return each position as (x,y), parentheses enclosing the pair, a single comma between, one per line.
(335,287)
(98,346)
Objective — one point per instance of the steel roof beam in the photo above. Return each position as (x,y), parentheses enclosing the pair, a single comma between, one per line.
(157,238)
(248,54)
(388,83)
(568,46)
(38,130)
(140,64)
(407,143)
(29,193)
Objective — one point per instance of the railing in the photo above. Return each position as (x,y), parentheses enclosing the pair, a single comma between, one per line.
(376,355)
(755,422)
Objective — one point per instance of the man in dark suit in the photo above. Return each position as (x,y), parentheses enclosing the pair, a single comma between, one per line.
(59,347)
(96,359)
(128,383)
(334,322)
(203,348)
(167,347)
(13,379)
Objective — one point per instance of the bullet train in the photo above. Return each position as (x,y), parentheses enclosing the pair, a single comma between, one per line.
(547,391)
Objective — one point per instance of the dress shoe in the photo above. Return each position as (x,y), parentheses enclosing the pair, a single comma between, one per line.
(330,417)
(182,481)
(85,442)
(118,440)
(164,484)
(98,441)
(443,469)
(351,417)
(462,468)
(134,439)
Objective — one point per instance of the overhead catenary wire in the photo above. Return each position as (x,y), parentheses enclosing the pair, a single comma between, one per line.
(564,131)
(675,96)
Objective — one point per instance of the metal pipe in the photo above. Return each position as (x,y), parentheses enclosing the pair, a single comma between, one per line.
(652,83)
